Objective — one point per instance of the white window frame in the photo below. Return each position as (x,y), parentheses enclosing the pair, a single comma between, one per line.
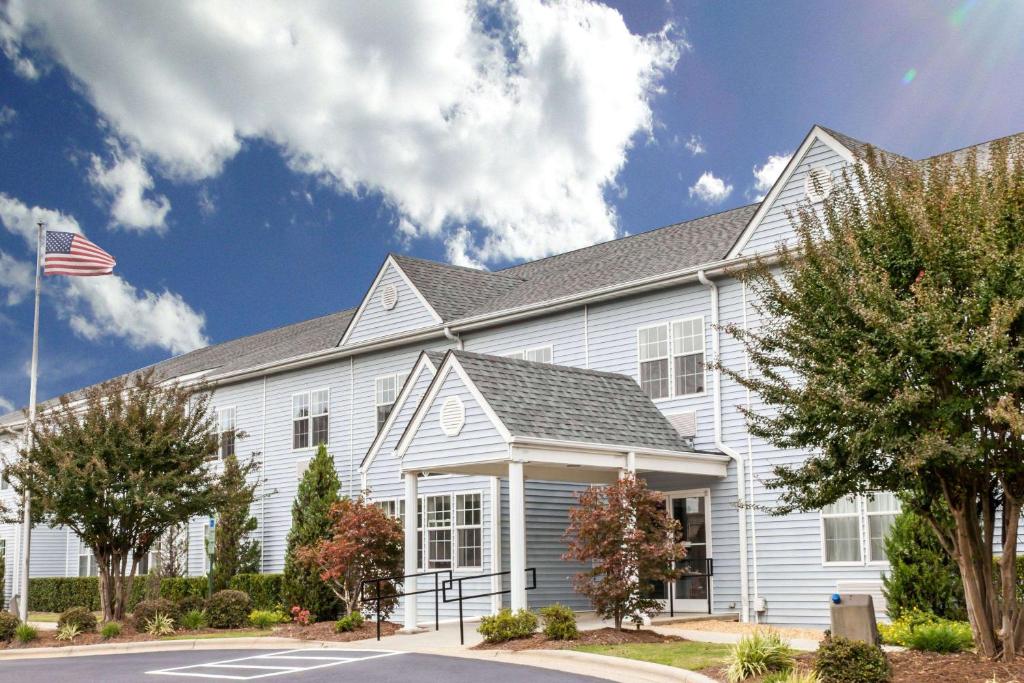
(400,378)
(92,566)
(221,431)
(524,353)
(863,534)
(309,417)
(395,507)
(671,356)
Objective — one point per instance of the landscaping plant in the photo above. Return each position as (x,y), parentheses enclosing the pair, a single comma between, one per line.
(119,464)
(160,625)
(193,620)
(235,552)
(81,617)
(302,617)
(506,625)
(894,354)
(147,609)
(841,660)
(759,653)
(263,619)
(68,632)
(922,576)
(263,589)
(941,636)
(559,622)
(365,542)
(8,625)
(109,630)
(25,633)
(350,622)
(228,609)
(311,523)
(623,532)
(794,676)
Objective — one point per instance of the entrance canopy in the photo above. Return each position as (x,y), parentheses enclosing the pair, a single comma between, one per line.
(482,412)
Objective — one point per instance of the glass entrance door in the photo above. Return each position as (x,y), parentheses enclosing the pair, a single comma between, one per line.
(690,593)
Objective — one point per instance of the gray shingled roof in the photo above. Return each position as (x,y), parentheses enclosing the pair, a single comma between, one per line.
(454,291)
(558,402)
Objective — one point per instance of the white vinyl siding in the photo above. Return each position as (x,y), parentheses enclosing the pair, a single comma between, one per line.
(311,419)
(853,528)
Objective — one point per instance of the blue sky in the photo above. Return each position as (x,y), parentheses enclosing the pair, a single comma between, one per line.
(247,175)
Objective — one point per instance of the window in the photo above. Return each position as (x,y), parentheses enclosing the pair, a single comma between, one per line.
(881,510)
(854,528)
(653,354)
(385,393)
(539,354)
(451,540)
(310,419)
(226,431)
(688,356)
(682,342)
(86,561)
(4,483)
(469,528)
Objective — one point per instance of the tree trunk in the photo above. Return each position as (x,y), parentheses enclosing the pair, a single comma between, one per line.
(971,557)
(1008,579)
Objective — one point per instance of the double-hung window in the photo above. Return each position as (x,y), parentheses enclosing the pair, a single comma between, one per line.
(386,390)
(439,532)
(671,358)
(653,353)
(854,528)
(86,561)
(226,431)
(469,529)
(538,354)
(311,418)
(449,529)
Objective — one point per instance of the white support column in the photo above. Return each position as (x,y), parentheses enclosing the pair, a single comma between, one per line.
(496,544)
(411,548)
(517,534)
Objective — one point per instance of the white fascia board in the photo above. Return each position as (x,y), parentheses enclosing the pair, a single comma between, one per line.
(389,262)
(586,446)
(816,134)
(449,366)
(423,364)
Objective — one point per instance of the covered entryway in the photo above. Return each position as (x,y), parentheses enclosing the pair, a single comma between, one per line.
(521,420)
(692,592)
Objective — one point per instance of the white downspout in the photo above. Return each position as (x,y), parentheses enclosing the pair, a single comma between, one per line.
(725,448)
(453,337)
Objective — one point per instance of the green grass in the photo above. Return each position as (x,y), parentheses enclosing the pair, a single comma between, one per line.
(685,655)
(225,634)
(52,617)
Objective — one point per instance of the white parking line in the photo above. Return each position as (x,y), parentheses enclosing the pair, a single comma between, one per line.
(196,670)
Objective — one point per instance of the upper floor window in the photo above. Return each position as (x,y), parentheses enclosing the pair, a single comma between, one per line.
(854,528)
(538,354)
(671,358)
(226,431)
(310,419)
(386,390)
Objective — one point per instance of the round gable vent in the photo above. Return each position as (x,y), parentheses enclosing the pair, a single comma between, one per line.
(388,297)
(453,416)
(818,184)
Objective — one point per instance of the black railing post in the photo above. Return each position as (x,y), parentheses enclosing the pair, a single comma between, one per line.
(709,571)
(462,635)
(378,609)
(437,616)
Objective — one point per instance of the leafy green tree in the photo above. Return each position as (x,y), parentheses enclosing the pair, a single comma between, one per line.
(311,524)
(234,551)
(120,465)
(921,574)
(893,350)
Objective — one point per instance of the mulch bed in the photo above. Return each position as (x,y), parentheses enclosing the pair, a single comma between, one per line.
(602,636)
(325,631)
(48,638)
(926,667)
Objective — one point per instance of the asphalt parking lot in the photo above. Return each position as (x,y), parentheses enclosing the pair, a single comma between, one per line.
(305,666)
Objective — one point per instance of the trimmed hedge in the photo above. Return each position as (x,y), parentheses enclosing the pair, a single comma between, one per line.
(59,593)
(263,589)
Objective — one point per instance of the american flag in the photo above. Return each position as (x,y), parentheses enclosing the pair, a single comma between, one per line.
(69,253)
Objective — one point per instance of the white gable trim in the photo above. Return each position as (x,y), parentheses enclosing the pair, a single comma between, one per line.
(448,367)
(423,364)
(389,262)
(817,134)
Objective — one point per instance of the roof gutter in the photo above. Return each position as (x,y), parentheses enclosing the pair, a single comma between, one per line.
(741,501)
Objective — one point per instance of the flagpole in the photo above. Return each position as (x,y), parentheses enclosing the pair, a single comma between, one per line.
(26,522)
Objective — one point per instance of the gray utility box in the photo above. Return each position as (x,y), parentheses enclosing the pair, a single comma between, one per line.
(853,617)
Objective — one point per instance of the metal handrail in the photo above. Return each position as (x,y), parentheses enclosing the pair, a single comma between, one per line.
(449,584)
(709,571)
(378,598)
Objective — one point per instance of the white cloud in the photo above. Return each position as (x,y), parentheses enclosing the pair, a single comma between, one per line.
(110,307)
(125,183)
(709,189)
(695,145)
(511,120)
(17,279)
(7,115)
(766,174)
(207,205)
(6,405)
